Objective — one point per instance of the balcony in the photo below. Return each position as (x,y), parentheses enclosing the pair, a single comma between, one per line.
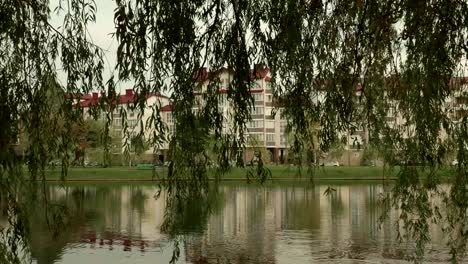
(255,129)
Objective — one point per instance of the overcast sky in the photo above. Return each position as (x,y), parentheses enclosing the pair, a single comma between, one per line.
(100,32)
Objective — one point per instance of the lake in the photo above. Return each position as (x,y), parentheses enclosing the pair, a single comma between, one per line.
(239,223)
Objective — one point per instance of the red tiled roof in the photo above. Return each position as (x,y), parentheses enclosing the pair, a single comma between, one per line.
(166,108)
(260,71)
(78,96)
(456,82)
(89,102)
(225,91)
(128,97)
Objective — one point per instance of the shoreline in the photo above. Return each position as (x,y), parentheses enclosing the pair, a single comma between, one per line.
(279,174)
(223,180)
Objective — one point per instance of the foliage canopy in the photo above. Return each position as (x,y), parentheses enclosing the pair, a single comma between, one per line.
(402,54)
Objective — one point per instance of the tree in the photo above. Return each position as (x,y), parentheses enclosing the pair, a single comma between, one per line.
(405,52)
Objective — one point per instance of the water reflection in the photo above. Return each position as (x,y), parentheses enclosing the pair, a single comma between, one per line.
(291,223)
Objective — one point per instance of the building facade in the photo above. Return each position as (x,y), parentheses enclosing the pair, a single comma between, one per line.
(124,115)
(266,129)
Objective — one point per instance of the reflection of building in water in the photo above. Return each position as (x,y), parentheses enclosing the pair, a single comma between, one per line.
(129,210)
(243,232)
(126,218)
(246,230)
(350,221)
(251,224)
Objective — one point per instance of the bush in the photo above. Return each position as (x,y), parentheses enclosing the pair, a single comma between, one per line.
(369,156)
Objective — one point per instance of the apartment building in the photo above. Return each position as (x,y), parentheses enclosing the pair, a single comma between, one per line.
(123,106)
(266,129)
(458,103)
(455,106)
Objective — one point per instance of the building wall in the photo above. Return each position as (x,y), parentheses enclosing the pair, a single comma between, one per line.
(266,129)
(136,121)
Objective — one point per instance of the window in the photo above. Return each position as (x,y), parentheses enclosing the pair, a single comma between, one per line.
(198,87)
(132,123)
(171,128)
(257,85)
(283,126)
(270,137)
(131,113)
(268,85)
(269,98)
(256,137)
(169,117)
(270,124)
(255,124)
(224,83)
(390,112)
(117,123)
(116,112)
(258,97)
(283,139)
(222,100)
(258,111)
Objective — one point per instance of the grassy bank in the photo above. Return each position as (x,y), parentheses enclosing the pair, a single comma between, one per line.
(280,172)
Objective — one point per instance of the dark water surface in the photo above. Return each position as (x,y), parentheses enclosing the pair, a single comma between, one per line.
(287,223)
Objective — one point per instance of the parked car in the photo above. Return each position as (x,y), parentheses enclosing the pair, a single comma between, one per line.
(332,164)
(54,163)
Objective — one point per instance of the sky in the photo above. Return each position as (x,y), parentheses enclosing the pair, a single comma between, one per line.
(100,34)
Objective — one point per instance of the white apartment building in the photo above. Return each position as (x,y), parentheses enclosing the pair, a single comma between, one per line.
(455,106)
(266,129)
(122,106)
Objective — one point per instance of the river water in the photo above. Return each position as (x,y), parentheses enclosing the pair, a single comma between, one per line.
(240,223)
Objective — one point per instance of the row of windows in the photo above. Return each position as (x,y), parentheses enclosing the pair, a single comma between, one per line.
(259,124)
(270,137)
(283,139)
(118,110)
(257,111)
(283,126)
(171,128)
(169,118)
(224,83)
(255,137)
(259,97)
(117,123)
(223,100)
(255,124)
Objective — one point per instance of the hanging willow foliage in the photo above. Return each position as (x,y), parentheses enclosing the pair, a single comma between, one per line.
(403,55)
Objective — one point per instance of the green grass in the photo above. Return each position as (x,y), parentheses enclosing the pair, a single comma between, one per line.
(280,172)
